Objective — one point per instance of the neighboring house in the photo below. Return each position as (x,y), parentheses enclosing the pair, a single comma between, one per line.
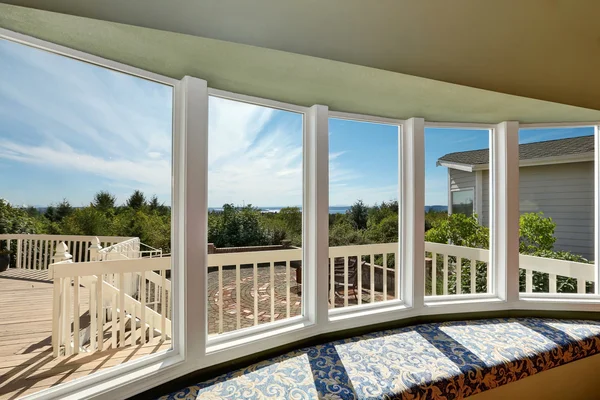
(555,177)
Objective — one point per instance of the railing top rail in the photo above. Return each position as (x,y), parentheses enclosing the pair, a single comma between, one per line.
(254,257)
(570,269)
(363,249)
(69,270)
(459,251)
(122,243)
(28,236)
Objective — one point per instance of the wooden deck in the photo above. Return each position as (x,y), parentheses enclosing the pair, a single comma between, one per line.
(26,362)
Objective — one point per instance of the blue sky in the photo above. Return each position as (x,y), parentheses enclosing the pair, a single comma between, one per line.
(69,129)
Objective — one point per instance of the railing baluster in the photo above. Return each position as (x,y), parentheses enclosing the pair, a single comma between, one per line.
(445,275)
(359,283)
(272,268)
(56,320)
(143,307)
(133,326)
(397,291)
(552,283)
(113,322)
(332,282)
(580,285)
(255,272)
(76,314)
(238,306)
(528,280)
(67,316)
(488,282)
(151,329)
(19,252)
(433,273)
(122,309)
(220,273)
(385,296)
(163,306)
(458,275)
(287,289)
(100,311)
(345,281)
(93,316)
(372,276)
(473,276)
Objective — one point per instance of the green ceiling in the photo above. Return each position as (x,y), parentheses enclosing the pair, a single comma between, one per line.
(283,76)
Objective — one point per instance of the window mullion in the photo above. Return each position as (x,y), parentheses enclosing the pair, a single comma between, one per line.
(504,225)
(195,223)
(316,215)
(597,208)
(412,221)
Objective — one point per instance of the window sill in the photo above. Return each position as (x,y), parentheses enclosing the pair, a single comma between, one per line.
(246,336)
(341,314)
(128,379)
(438,301)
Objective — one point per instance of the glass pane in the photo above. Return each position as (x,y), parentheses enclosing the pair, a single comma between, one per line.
(363,213)
(463,202)
(255,215)
(457,211)
(556,204)
(85,161)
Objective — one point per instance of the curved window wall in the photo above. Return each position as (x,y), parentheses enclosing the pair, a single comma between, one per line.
(252,173)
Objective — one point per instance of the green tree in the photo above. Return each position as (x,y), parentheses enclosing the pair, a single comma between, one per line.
(237,226)
(16,220)
(536,233)
(137,200)
(359,214)
(104,201)
(63,210)
(459,230)
(87,221)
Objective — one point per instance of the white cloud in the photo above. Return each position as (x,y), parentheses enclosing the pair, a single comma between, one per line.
(74,117)
(70,117)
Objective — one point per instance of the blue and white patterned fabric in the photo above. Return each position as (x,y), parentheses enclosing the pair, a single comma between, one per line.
(449,360)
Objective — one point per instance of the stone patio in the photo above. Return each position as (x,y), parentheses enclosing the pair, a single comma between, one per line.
(264,297)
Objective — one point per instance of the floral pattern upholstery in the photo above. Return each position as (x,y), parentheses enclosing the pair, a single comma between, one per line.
(449,360)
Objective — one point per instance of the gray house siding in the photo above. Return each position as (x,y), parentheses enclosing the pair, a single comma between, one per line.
(564,192)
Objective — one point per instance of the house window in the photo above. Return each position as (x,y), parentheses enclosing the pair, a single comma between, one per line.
(364,265)
(462,202)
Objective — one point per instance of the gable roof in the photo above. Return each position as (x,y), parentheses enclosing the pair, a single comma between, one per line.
(529,151)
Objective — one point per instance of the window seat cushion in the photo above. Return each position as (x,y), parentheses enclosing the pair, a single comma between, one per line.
(449,360)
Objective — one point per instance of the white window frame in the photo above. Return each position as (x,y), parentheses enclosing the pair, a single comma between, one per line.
(191,348)
(588,300)
(170,362)
(399,303)
(497,189)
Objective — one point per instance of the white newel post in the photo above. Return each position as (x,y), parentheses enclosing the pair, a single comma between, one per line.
(95,249)
(62,253)
(61,322)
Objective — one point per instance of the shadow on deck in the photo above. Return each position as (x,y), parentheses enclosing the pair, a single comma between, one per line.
(26,361)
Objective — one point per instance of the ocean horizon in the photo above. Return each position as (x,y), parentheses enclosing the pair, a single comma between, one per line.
(332,209)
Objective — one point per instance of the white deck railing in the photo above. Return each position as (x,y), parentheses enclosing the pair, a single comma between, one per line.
(251,288)
(36,251)
(91,298)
